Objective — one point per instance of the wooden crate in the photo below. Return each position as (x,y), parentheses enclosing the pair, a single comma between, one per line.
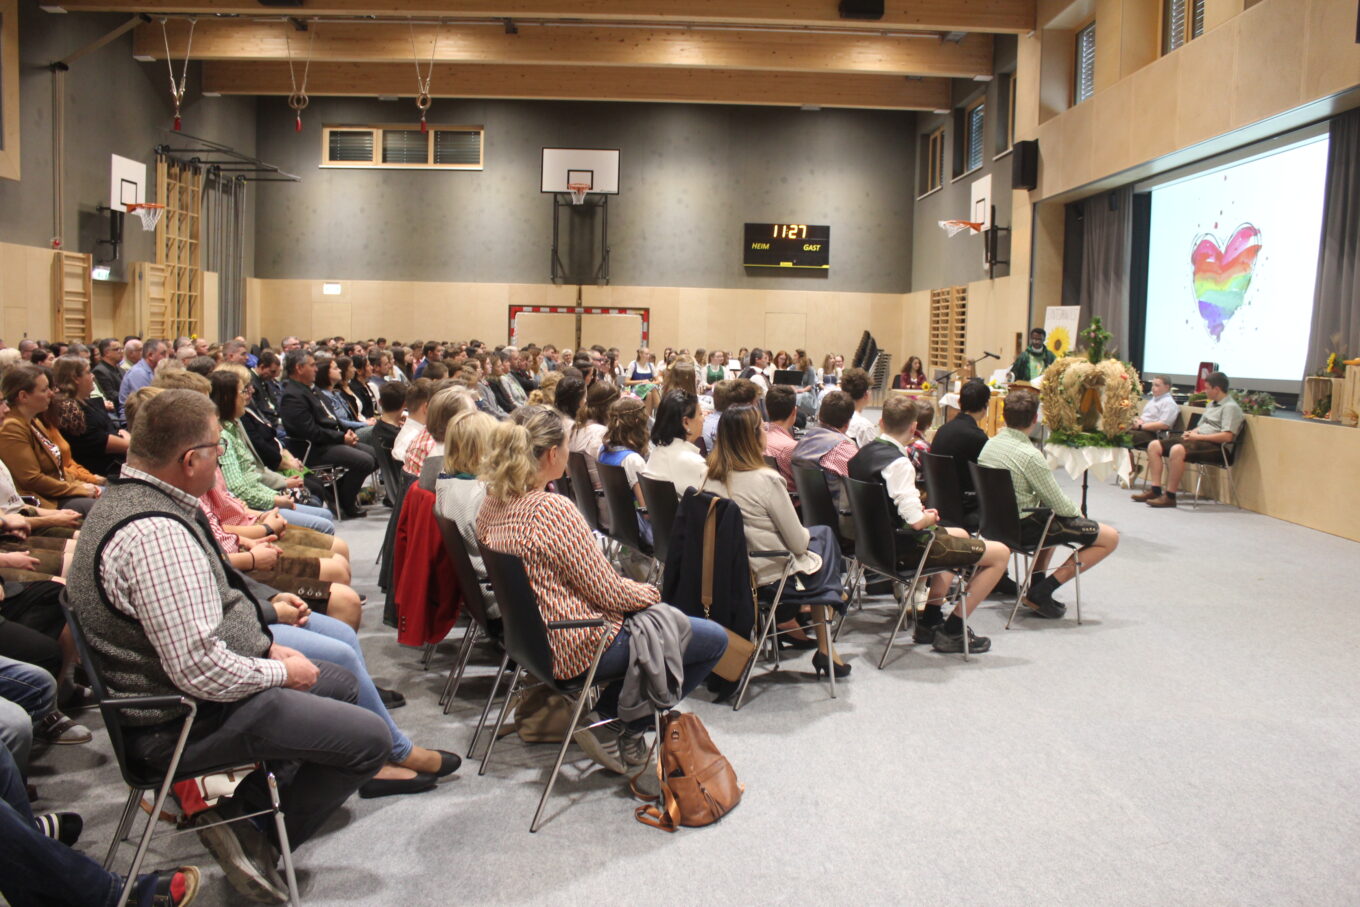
(1329,392)
(1348,409)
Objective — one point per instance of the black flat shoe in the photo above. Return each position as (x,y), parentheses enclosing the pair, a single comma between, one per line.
(448,763)
(820,664)
(390,787)
(391,698)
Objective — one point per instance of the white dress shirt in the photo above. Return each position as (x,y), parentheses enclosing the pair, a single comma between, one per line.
(861,430)
(1161,409)
(900,477)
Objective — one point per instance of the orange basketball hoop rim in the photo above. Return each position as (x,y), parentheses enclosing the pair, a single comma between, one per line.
(149,213)
(578,192)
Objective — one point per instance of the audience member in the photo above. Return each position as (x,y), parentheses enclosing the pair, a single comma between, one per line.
(418,394)
(825,444)
(588,436)
(729,392)
(306,419)
(855,382)
(572,579)
(782,411)
(138,554)
(674,457)
(31,450)
(1035,488)
(108,375)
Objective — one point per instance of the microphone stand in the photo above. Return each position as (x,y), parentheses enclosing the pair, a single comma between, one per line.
(944,382)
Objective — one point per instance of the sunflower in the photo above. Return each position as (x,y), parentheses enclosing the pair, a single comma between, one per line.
(1060,342)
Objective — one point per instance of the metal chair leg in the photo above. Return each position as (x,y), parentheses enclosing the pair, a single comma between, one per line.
(162,794)
(905,604)
(490,701)
(1024,588)
(427,656)
(1076,581)
(282,829)
(765,626)
(124,823)
(827,611)
(459,666)
(505,708)
(571,729)
(961,607)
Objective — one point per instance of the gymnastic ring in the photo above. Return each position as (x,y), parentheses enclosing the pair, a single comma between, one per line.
(423,101)
(298,101)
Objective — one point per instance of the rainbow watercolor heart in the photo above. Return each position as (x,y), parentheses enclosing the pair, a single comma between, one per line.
(1222,275)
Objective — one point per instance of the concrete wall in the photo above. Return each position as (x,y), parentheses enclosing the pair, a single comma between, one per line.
(690,176)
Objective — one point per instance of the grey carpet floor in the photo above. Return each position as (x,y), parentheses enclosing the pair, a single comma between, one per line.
(1194,742)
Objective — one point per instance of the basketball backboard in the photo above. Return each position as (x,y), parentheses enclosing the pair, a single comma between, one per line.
(127,183)
(597,168)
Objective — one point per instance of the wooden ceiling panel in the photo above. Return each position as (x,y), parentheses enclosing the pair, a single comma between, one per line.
(539,44)
(1000,16)
(679,85)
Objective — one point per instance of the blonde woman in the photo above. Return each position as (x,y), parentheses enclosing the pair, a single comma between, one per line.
(459,492)
(571,577)
(737,471)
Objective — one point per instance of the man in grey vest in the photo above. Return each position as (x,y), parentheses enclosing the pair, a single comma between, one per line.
(165,614)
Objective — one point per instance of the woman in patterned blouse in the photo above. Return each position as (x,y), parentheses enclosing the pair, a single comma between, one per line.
(569,574)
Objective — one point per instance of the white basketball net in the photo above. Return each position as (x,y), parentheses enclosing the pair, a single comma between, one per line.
(150,216)
(578,192)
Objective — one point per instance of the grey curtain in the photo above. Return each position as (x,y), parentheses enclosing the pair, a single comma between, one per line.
(224,208)
(1106,256)
(1336,300)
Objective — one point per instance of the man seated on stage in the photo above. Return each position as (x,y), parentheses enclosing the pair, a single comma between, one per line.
(165,615)
(1221,422)
(1035,487)
(781,407)
(885,460)
(1159,414)
(1031,363)
(855,382)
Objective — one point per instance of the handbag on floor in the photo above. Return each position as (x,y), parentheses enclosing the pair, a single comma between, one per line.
(698,785)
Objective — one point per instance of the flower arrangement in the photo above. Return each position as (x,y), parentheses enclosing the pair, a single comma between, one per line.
(926,386)
(1254,403)
(1090,402)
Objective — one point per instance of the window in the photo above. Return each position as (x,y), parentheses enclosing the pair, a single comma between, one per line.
(932,161)
(401,147)
(1010,111)
(973,118)
(1085,83)
(1184,21)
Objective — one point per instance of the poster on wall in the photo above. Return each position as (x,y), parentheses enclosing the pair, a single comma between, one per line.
(1060,324)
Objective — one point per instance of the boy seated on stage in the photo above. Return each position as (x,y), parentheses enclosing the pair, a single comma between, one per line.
(1035,487)
(1221,422)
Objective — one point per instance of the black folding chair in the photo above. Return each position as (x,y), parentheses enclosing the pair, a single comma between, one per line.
(583,490)
(943,491)
(141,778)
(1000,522)
(872,513)
(329,475)
(819,509)
(623,513)
(480,626)
(526,642)
(662,503)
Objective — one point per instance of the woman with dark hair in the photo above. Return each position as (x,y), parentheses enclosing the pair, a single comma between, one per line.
(96,443)
(31,451)
(912,376)
(675,458)
(568,394)
(737,470)
(591,423)
(329,381)
(246,476)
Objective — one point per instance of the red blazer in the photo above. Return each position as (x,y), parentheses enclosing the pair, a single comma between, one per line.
(424,583)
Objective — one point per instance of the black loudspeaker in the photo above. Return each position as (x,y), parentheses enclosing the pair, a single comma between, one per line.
(861,9)
(1025,165)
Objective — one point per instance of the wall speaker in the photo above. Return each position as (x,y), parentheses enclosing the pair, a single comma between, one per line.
(1025,165)
(861,9)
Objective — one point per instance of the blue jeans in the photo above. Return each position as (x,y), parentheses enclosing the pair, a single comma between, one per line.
(308,517)
(28,692)
(327,639)
(707,643)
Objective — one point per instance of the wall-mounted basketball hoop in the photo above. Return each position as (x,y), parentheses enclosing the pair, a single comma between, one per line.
(148,213)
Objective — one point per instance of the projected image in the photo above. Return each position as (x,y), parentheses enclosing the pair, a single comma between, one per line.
(1223,275)
(1232,263)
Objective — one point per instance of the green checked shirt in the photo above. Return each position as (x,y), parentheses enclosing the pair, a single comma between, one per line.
(1030,473)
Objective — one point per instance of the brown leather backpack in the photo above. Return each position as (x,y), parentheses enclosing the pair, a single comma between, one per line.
(698,785)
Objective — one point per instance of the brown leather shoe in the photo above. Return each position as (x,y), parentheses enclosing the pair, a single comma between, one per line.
(1163,501)
(1143,497)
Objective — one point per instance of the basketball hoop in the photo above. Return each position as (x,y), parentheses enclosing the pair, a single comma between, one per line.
(954,227)
(578,192)
(148,212)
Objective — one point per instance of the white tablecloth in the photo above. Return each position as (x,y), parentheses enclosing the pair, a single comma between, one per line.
(1100,462)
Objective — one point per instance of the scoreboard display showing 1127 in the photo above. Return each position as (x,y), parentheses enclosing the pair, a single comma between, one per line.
(787,246)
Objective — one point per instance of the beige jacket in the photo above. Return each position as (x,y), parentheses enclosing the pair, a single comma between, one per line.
(770,521)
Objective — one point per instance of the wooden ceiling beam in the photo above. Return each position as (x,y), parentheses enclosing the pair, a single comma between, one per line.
(584,46)
(999,16)
(586,83)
